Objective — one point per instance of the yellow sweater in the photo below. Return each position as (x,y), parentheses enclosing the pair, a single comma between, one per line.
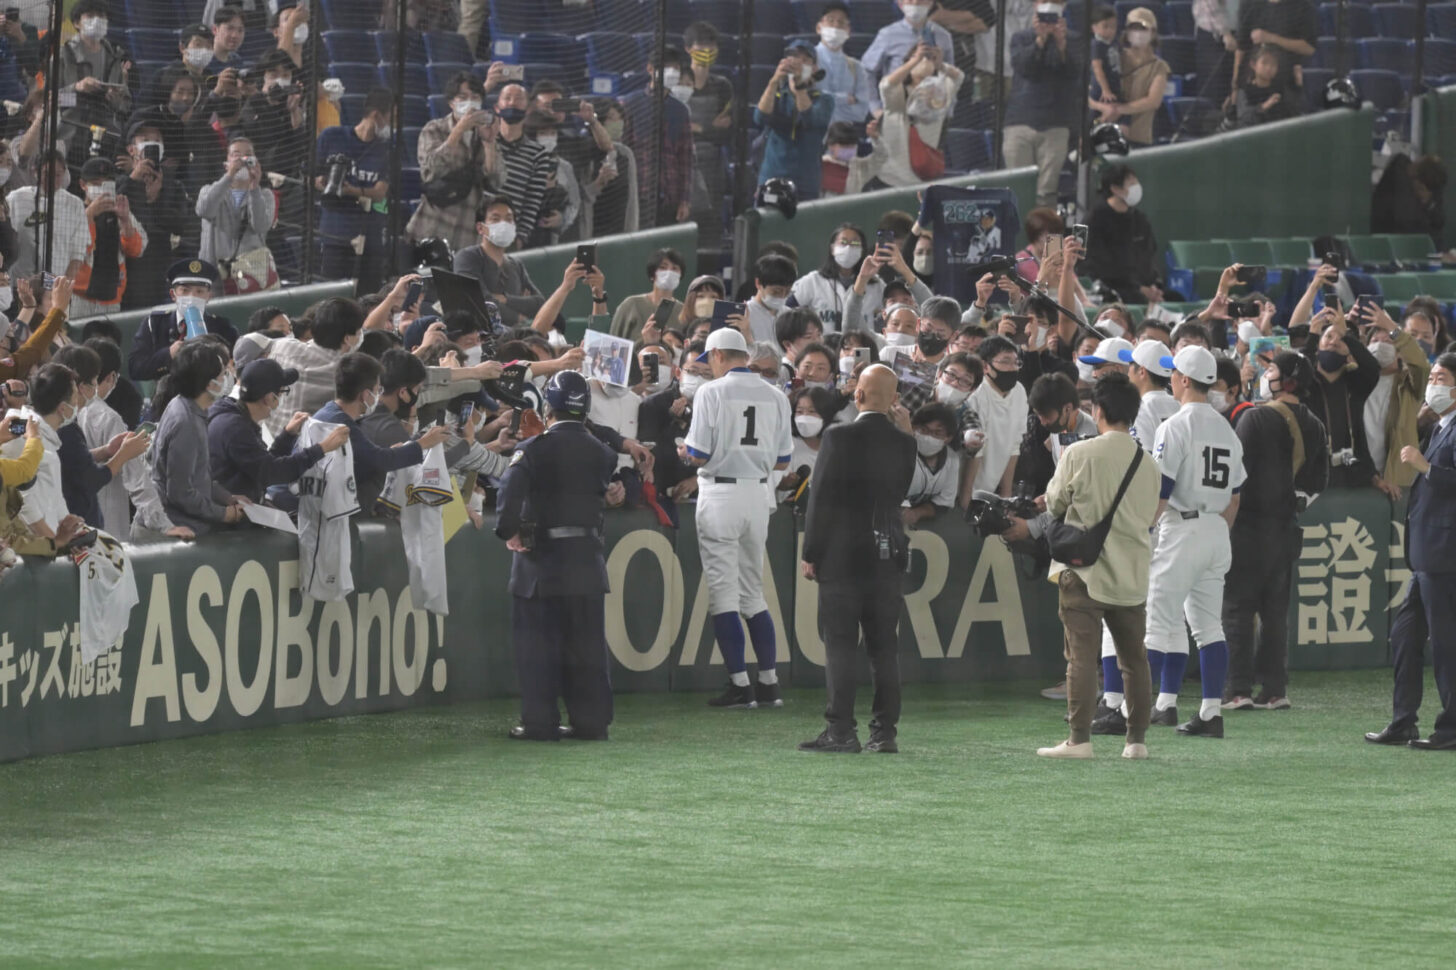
(18,471)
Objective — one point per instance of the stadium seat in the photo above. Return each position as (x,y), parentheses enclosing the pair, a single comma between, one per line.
(1383,54)
(414,47)
(967,150)
(1373,251)
(1180,17)
(1413,250)
(350,15)
(152,44)
(1358,20)
(510,17)
(1315,79)
(727,52)
(416,80)
(1440,56)
(416,111)
(625,15)
(357,78)
(1398,286)
(778,18)
(351,108)
(1381,88)
(411,144)
(546,72)
(1073,12)
(409,184)
(1291,253)
(1180,53)
(1395,20)
(868,16)
(726,15)
(439,105)
(536,48)
(1441,20)
(806,14)
(858,44)
(350,46)
(1250,252)
(1189,254)
(438,74)
(442,45)
(612,52)
(1441,285)
(765,49)
(1326,50)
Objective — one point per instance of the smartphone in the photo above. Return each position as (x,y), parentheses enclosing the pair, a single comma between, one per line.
(662,316)
(467,408)
(1363,305)
(153,153)
(1048,18)
(1253,276)
(586,255)
(884,238)
(515,426)
(723,309)
(1053,245)
(650,368)
(566,105)
(1243,309)
(17,427)
(1080,233)
(1019,337)
(492,316)
(513,72)
(147,427)
(48,281)
(412,295)
(863,355)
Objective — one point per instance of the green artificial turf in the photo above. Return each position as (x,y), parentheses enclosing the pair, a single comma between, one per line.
(699,838)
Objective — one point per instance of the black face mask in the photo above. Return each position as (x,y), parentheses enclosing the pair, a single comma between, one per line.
(511,116)
(1004,380)
(931,345)
(1331,361)
(402,412)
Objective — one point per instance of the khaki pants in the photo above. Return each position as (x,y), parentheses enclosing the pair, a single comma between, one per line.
(473,15)
(1047,150)
(1082,619)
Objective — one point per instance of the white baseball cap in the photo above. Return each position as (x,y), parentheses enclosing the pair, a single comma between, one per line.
(1151,356)
(724,338)
(1108,351)
(1196,363)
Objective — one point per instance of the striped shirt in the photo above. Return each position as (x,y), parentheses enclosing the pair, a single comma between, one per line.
(528,165)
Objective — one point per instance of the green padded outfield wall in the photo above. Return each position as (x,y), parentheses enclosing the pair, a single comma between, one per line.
(1438,119)
(221,639)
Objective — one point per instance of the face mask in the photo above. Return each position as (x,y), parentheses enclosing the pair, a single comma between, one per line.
(847,256)
(1110,327)
(1004,380)
(667,280)
(703,307)
(548,142)
(923,263)
(300,34)
(501,234)
(1134,194)
(689,385)
(947,393)
(928,445)
(824,385)
(473,355)
(683,92)
(185,303)
(511,116)
(614,129)
(93,28)
(833,37)
(1139,38)
(774,303)
(68,421)
(900,339)
(1266,390)
(916,12)
(1439,397)
(463,108)
(1427,347)
(846,366)
(1086,373)
(5,172)
(930,344)
(1384,353)
(671,76)
(370,401)
(179,107)
(225,385)
(1331,361)
(1218,400)
(704,57)
(383,132)
(806,73)
(843,153)
(198,57)
(809,425)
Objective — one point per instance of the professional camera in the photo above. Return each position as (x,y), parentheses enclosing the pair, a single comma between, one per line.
(991,514)
(338,170)
(1345,456)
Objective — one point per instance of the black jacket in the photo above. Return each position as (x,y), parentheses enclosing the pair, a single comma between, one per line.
(1122,251)
(863,474)
(151,355)
(238,460)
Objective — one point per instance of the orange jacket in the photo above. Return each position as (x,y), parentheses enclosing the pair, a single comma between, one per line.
(133,242)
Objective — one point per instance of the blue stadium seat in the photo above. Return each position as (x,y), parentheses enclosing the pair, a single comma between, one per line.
(351,109)
(357,78)
(1358,20)
(726,15)
(1383,54)
(545,72)
(1315,79)
(727,51)
(439,105)
(858,44)
(510,17)
(350,15)
(1073,12)
(151,44)
(1441,20)
(967,150)
(1180,17)
(159,16)
(1382,88)
(388,48)
(806,14)
(416,111)
(351,46)
(411,145)
(409,187)
(567,51)
(442,45)
(1180,53)
(255,44)
(439,73)
(766,49)
(1395,20)
(610,52)
(631,16)
(1325,49)
(868,16)
(777,17)
(1440,56)
(416,79)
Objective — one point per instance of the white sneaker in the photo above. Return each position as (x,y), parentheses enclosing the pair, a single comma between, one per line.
(1135,752)
(1067,750)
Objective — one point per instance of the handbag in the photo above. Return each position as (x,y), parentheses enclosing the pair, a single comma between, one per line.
(250,272)
(1073,545)
(927,162)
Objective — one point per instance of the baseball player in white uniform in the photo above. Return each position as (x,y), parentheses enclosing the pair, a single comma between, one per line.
(738,437)
(1202,466)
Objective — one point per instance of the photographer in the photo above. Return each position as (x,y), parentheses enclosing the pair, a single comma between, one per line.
(1114,588)
(1346,374)
(273,119)
(1392,408)
(665,416)
(160,204)
(1055,422)
(237,212)
(796,116)
(1046,98)
(70,233)
(115,237)
(97,72)
(354,166)
(458,163)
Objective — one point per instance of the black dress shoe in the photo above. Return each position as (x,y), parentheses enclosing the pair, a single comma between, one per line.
(1198,727)
(1165,718)
(881,744)
(519,733)
(1435,743)
(828,742)
(572,733)
(1393,734)
(1110,721)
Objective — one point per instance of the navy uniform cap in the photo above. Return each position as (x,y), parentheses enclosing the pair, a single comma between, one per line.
(192,271)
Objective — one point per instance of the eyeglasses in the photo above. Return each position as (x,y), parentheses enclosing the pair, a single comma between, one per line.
(961,381)
(23,391)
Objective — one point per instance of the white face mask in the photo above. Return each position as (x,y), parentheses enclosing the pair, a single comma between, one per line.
(473,355)
(924,263)
(847,256)
(1134,194)
(1383,352)
(5,173)
(825,385)
(185,303)
(1266,393)
(703,307)
(667,280)
(1110,327)
(846,366)
(225,385)
(689,385)
(947,393)
(928,445)
(547,142)
(370,400)
(93,28)
(833,37)
(809,425)
(1218,400)
(198,57)
(671,76)
(916,12)
(1439,397)
(1086,373)
(1139,38)
(774,303)
(463,108)
(300,34)
(68,421)
(383,132)
(501,234)
(900,339)
(683,92)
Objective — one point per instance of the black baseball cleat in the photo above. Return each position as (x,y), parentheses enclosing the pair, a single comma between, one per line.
(882,744)
(734,696)
(1393,734)
(519,733)
(1198,727)
(1109,720)
(1168,718)
(768,695)
(828,742)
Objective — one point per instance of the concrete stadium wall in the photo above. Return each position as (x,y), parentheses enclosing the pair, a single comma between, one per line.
(221,639)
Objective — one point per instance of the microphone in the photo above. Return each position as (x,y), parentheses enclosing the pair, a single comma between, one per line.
(999,264)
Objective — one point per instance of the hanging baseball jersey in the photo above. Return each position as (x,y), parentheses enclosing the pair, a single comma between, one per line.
(326,498)
(418,494)
(108,592)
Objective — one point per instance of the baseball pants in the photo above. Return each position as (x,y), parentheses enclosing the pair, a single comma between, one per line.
(1186,581)
(732,524)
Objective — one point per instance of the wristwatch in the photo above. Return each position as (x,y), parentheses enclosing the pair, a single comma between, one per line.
(600,299)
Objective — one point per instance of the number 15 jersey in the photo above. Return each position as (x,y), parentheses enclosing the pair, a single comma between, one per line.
(740,427)
(1198,449)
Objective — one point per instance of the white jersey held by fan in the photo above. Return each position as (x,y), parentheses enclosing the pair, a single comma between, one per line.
(419,494)
(108,592)
(326,499)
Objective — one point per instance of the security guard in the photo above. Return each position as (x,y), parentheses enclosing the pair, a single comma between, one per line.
(550,514)
(159,336)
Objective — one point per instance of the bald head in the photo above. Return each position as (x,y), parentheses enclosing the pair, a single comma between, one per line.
(876,389)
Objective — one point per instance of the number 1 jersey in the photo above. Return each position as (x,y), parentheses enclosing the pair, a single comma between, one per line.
(741,427)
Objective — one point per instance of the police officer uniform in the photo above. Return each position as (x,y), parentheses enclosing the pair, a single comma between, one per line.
(151,350)
(551,497)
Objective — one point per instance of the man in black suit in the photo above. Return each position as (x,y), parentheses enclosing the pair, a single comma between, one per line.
(1429,610)
(855,547)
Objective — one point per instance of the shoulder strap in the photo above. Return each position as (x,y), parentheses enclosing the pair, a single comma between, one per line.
(1287,413)
(1137,457)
